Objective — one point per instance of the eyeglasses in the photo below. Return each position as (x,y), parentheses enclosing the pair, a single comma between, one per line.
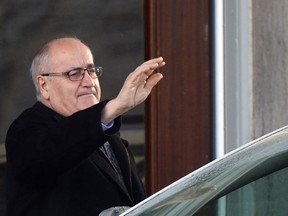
(77,74)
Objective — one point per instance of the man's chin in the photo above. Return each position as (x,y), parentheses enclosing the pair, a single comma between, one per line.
(87,102)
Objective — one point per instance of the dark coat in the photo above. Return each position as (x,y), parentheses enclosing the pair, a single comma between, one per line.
(55,167)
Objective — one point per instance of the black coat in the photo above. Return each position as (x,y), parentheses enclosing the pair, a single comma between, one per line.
(55,166)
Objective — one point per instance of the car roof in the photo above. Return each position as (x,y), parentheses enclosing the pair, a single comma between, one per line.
(258,158)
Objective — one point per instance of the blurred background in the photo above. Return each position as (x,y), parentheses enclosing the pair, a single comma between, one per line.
(112,29)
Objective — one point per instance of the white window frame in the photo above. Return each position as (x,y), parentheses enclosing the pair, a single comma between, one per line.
(232,74)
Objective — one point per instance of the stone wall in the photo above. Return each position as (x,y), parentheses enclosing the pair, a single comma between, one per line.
(270,65)
(270,89)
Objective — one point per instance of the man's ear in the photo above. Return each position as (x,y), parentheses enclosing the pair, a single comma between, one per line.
(43,87)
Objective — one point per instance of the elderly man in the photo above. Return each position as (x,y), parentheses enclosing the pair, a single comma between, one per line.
(64,154)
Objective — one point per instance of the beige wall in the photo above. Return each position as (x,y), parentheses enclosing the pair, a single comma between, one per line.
(270,65)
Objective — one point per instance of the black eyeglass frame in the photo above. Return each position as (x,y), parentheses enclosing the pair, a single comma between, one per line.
(90,71)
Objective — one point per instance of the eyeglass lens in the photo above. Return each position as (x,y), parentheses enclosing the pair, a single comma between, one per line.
(78,74)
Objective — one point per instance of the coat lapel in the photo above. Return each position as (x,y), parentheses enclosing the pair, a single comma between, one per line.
(123,160)
(99,159)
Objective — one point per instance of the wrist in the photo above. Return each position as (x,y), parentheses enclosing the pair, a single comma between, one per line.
(112,110)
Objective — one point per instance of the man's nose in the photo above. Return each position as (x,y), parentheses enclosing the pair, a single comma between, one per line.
(87,79)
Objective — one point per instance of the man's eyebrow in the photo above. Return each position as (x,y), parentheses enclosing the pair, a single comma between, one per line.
(90,65)
(72,69)
(77,68)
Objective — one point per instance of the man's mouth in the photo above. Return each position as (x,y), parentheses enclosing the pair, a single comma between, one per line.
(87,94)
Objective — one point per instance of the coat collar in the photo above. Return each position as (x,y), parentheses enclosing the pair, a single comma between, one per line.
(40,106)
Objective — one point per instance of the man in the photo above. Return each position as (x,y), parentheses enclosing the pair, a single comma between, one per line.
(64,154)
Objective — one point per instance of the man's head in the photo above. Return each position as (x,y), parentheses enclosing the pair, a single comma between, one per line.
(54,88)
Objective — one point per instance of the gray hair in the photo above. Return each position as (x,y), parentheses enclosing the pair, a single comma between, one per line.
(39,65)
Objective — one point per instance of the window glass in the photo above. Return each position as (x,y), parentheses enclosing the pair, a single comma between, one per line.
(265,196)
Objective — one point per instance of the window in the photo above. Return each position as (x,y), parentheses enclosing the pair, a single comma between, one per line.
(265,196)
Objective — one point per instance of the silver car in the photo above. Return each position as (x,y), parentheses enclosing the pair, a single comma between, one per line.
(251,180)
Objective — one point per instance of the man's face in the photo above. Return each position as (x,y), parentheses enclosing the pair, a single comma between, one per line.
(61,94)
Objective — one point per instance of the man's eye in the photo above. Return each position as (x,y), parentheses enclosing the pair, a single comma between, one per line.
(74,73)
(91,70)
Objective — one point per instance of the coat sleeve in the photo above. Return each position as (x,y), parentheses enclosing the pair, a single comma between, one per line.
(41,145)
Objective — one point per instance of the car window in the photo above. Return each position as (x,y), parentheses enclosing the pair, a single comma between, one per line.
(265,196)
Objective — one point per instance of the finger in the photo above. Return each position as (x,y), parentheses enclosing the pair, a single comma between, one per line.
(146,69)
(159,61)
(152,81)
(154,60)
(149,68)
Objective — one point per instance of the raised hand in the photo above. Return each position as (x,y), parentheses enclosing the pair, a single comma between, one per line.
(140,82)
(135,90)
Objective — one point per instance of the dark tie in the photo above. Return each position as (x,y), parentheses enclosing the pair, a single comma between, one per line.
(108,152)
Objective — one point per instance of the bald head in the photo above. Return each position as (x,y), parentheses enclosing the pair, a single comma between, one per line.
(54,88)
